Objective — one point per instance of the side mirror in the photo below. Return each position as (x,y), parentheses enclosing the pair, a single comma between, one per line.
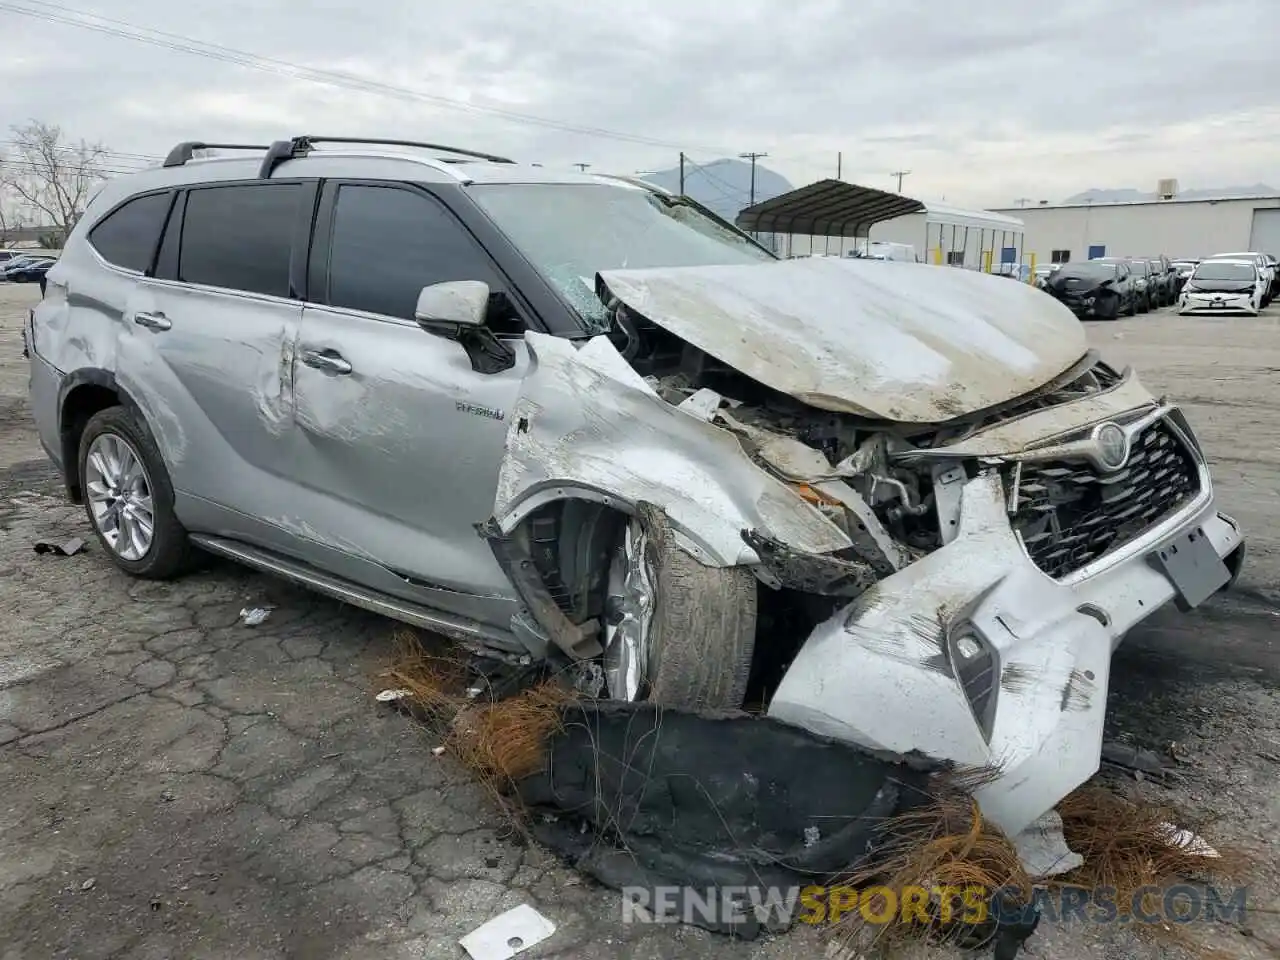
(456,310)
(461,302)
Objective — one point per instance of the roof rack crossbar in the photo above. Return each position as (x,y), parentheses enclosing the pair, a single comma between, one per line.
(186,150)
(304,144)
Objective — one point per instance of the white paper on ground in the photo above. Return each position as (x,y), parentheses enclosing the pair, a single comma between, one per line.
(508,934)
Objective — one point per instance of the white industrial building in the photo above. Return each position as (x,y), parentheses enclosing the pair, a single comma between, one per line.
(834,218)
(1177,228)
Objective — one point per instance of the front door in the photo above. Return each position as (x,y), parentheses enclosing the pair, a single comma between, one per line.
(401,441)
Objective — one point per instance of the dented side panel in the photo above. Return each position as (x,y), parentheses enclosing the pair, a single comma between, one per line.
(216,386)
(398,459)
(587,424)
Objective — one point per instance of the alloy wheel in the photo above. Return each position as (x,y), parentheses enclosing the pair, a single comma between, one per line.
(119,492)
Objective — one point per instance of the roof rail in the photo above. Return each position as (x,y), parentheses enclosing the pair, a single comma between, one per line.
(186,150)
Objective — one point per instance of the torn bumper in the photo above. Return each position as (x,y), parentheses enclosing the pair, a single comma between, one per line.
(889,671)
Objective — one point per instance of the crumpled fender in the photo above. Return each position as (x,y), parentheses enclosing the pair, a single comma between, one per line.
(586,425)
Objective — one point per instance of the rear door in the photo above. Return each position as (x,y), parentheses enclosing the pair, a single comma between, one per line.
(401,441)
(217,326)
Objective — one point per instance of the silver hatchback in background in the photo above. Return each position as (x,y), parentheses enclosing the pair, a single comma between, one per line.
(577,421)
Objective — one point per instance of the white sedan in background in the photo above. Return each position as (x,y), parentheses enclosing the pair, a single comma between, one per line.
(1265,268)
(1224,286)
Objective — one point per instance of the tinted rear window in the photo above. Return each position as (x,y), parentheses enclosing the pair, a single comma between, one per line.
(240,237)
(127,237)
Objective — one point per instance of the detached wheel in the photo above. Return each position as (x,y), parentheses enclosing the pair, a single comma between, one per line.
(129,498)
(679,633)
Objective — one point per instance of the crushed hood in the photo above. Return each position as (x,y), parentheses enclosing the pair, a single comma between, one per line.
(896,341)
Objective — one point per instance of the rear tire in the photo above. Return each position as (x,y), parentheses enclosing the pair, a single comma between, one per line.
(702,635)
(168,552)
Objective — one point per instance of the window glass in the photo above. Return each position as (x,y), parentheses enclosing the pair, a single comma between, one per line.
(240,237)
(1211,270)
(127,237)
(388,243)
(569,232)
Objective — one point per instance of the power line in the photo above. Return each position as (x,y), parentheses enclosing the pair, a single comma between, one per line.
(724,190)
(70,148)
(69,16)
(24,166)
(706,172)
(184,44)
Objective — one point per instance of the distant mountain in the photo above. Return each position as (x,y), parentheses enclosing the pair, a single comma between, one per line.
(722,185)
(1130,195)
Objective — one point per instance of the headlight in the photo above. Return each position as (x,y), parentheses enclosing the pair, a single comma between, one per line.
(976,666)
(1089,301)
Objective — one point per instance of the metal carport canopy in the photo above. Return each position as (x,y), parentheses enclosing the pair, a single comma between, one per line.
(828,208)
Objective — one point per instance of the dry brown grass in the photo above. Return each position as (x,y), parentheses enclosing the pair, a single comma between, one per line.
(1125,849)
(507,741)
(946,845)
(501,741)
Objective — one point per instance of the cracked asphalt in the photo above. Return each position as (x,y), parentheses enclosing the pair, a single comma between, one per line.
(176,784)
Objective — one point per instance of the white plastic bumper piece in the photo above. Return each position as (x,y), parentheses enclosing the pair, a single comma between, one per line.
(880,673)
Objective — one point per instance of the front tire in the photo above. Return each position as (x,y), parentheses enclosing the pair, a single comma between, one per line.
(702,631)
(128,496)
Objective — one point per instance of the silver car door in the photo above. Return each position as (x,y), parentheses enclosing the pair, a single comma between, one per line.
(401,439)
(215,331)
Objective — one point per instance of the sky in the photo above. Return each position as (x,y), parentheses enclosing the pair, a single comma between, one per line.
(984,103)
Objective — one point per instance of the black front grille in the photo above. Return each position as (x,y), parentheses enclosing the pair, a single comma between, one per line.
(1069,513)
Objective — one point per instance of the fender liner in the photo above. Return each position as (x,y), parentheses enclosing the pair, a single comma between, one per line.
(67,441)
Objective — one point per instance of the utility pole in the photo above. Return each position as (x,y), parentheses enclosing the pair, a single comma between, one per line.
(582,166)
(900,174)
(1022,201)
(753,157)
(682,173)
(839,164)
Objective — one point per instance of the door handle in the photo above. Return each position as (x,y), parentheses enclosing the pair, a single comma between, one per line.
(152,321)
(326,360)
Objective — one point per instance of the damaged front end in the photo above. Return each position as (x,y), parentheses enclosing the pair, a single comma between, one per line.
(945,571)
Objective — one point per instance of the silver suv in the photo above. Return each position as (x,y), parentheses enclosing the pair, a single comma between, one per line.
(576,421)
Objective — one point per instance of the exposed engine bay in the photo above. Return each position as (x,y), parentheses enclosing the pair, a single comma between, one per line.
(902,510)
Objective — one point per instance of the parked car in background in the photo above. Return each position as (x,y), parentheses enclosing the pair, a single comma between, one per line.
(889,250)
(1140,277)
(1100,289)
(1163,278)
(1265,268)
(1224,286)
(1183,268)
(26,269)
(7,255)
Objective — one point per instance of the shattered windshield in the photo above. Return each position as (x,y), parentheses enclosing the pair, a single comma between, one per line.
(569,232)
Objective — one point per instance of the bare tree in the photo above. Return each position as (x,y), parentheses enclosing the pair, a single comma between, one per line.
(52,176)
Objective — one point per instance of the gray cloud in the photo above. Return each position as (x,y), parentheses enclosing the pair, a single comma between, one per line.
(982,102)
